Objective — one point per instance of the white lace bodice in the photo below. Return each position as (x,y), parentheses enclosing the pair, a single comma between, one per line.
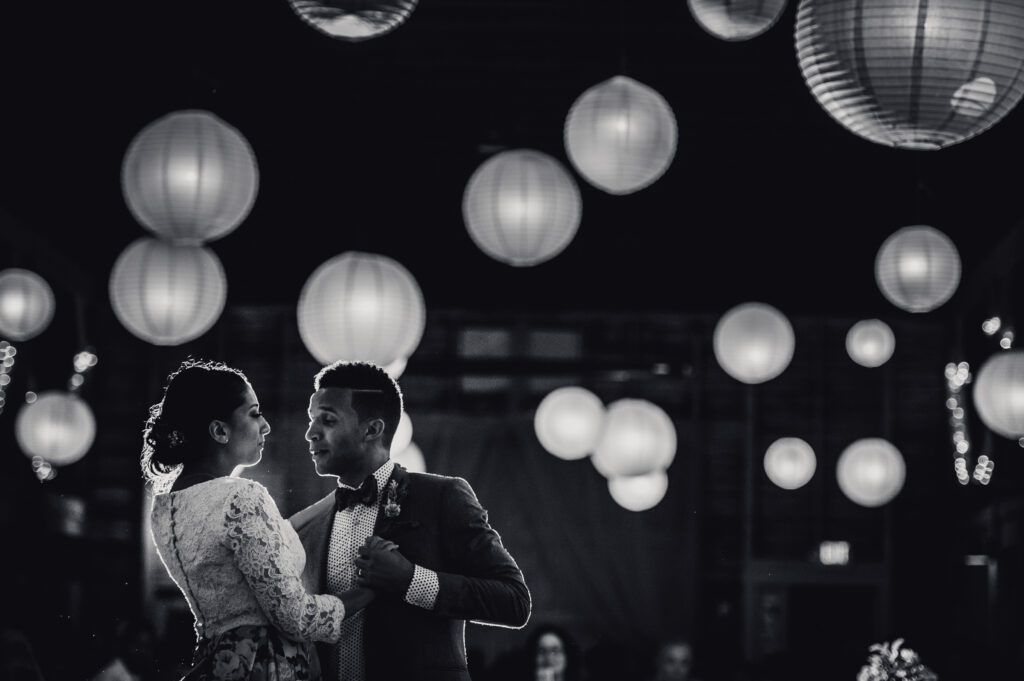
(238,562)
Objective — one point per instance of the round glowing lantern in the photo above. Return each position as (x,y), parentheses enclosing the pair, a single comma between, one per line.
(999,393)
(639,492)
(521,207)
(870,342)
(411,458)
(638,437)
(189,177)
(736,19)
(789,462)
(917,268)
(871,472)
(361,307)
(167,293)
(913,74)
(403,433)
(754,342)
(354,20)
(26,304)
(620,135)
(397,368)
(568,422)
(58,426)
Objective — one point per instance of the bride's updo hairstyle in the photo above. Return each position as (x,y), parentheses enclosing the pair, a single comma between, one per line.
(177,430)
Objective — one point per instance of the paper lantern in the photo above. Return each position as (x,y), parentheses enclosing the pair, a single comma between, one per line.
(911,74)
(789,462)
(620,135)
(166,293)
(354,20)
(397,368)
(521,207)
(754,342)
(411,458)
(403,433)
(26,304)
(736,19)
(870,472)
(568,422)
(361,306)
(59,427)
(870,342)
(639,492)
(999,393)
(638,437)
(917,268)
(189,177)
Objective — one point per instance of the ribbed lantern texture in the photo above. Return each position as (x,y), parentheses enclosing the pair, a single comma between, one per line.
(753,342)
(568,422)
(999,393)
(189,177)
(870,342)
(870,472)
(26,304)
(917,268)
(521,207)
(638,438)
(910,73)
(361,307)
(736,19)
(166,293)
(789,462)
(354,20)
(639,492)
(620,135)
(59,427)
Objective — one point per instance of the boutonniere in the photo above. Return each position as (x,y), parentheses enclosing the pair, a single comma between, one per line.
(392,507)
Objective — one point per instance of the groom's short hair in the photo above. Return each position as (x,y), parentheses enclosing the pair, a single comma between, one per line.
(374,393)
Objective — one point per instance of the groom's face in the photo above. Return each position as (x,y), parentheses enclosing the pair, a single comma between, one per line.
(335,434)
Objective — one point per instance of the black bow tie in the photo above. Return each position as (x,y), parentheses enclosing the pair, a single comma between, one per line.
(364,494)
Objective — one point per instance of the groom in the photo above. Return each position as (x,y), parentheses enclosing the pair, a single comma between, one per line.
(449,565)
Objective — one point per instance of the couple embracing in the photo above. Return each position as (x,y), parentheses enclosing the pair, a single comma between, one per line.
(374,582)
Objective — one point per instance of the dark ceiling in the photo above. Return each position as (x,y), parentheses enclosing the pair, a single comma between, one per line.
(367,146)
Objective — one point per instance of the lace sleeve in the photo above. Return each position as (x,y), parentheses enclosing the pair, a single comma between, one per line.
(254,536)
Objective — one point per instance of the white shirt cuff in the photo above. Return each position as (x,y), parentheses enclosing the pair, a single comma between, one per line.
(423,589)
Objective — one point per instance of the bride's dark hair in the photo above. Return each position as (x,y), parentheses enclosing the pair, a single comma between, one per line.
(176,432)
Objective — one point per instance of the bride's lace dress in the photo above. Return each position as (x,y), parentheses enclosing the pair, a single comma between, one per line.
(238,562)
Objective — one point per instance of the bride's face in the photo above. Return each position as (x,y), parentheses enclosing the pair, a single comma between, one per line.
(248,431)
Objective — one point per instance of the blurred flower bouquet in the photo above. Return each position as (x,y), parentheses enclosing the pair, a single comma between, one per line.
(894,663)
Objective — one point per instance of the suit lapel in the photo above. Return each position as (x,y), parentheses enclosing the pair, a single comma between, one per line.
(389,511)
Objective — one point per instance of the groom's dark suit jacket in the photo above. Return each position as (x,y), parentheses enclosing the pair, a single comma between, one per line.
(441,526)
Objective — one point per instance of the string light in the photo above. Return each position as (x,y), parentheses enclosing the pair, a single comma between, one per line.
(7,353)
(958,375)
(991,325)
(83,362)
(1006,342)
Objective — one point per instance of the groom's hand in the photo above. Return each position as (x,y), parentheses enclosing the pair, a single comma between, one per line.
(382,567)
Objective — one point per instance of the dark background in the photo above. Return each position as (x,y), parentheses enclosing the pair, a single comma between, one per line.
(368,147)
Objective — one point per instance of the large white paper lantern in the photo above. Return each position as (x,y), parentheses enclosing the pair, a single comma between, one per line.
(361,307)
(166,293)
(521,207)
(871,472)
(26,304)
(397,368)
(736,19)
(58,426)
(870,342)
(999,393)
(189,177)
(354,20)
(403,433)
(568,422)
(620,135)
(754,342)
(917,268)
(638,437)
(411,458)
(639,492)
(913,74)
(789,462)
